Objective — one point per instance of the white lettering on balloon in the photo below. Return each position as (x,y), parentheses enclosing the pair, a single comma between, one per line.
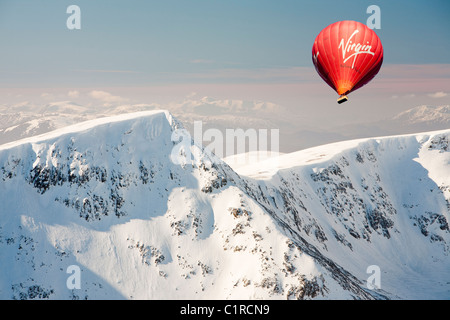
(356,48)
(315,56)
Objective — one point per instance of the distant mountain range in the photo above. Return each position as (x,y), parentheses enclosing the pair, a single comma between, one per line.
(27,119)
(425,116)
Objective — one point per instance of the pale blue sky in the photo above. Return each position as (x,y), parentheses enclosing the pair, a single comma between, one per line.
(145,42)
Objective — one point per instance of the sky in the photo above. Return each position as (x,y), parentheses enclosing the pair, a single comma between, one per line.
(179,41)
(258,50)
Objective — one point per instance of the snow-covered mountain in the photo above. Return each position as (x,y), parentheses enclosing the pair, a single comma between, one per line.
(112,197)
(28,119)
(298,132)
(425,115)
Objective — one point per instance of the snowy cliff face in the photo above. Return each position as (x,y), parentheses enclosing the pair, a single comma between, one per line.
(106,196)
(382,202)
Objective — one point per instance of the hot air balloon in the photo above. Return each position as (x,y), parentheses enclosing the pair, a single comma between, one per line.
(347,55)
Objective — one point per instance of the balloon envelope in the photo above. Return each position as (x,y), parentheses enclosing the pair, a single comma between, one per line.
(347,55)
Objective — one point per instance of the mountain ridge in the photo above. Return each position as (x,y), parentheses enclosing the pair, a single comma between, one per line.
(106,196)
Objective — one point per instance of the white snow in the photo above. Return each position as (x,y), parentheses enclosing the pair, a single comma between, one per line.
(413,172)
(105,196)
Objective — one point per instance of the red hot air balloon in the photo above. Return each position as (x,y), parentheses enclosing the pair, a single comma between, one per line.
(347,55)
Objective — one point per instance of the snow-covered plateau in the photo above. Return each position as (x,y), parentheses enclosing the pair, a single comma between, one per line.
(106,196)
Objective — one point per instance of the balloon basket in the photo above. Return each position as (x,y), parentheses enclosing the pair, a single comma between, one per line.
(342,99)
